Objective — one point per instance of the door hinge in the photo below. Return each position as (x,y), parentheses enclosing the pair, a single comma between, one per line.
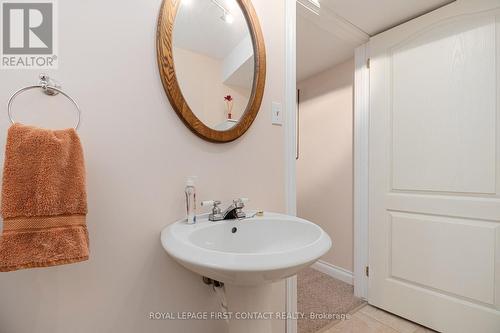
(368,63)
(367,271)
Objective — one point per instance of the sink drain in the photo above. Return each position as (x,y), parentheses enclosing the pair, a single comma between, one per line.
(234,230)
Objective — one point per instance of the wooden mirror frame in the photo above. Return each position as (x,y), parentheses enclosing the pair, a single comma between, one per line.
(165,57)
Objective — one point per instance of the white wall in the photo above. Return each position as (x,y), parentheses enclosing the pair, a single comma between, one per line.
(325,166)
(201,80)
(138,154)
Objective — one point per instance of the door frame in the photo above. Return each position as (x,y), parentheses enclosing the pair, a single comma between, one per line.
(360,145)
(290,95)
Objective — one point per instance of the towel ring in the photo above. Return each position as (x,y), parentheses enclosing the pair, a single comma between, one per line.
(50,88)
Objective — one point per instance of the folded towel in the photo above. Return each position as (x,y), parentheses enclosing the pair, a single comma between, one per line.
(44,200)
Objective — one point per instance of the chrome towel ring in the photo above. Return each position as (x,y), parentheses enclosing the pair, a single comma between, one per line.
(50,88)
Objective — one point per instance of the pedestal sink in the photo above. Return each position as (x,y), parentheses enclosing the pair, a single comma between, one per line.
(246,255)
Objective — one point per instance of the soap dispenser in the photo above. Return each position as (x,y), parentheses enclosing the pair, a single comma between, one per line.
(190,200)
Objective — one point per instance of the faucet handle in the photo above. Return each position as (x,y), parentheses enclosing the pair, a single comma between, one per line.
(240,202)
(211,203)
(216,211)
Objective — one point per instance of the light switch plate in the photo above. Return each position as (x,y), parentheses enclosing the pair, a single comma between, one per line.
(276,114)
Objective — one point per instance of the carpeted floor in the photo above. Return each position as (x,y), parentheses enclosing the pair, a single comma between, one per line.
(320,293)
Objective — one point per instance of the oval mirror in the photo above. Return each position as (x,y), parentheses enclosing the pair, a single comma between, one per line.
(211,58)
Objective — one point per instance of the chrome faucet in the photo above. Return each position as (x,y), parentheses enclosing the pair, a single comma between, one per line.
(234,211)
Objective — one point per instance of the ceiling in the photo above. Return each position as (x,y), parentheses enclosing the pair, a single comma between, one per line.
(198,27)
(330,38)
(375,16)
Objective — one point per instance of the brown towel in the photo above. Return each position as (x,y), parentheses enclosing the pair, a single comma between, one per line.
(44,200)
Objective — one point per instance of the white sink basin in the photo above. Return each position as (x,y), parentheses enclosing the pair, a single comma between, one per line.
(246,252)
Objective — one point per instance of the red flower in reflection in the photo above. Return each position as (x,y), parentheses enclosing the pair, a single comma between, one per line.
(229,105)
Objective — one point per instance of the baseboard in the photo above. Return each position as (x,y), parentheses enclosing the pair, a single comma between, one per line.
(335,272)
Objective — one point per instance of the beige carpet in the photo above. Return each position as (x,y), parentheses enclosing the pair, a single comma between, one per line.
(320,293)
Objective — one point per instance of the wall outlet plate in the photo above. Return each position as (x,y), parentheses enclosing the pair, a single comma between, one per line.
(276,114)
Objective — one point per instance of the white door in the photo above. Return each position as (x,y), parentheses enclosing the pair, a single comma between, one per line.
(435,169)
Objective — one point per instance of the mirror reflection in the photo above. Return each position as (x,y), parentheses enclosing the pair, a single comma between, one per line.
(214,60)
